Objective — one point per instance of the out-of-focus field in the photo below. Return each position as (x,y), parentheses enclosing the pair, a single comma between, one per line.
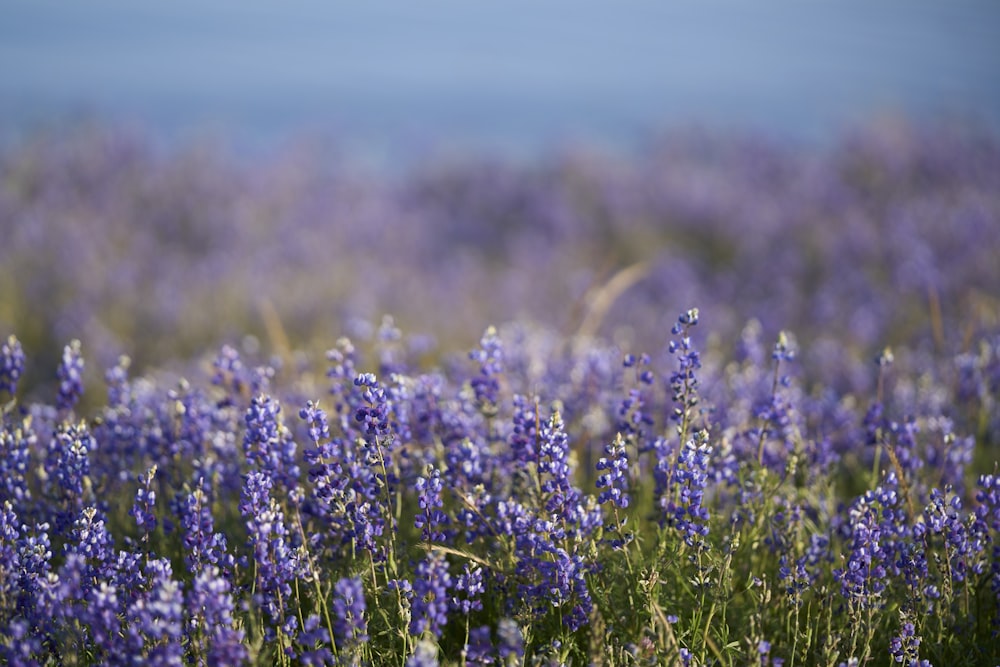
(888,236)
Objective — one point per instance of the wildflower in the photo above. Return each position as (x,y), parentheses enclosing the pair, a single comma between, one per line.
(350,625)
(469,582)
(12,360)
(479,649)
(511,641)
(155,619)
(116,379)
(430,519)
(16,444)
(486,385)
(425,654)
(615,480)
(70,374)
(313,643)
(145,503)
(277,564)
(212,630)
(904,647)
(873,530)
(563,500)
(68,466)
(267,443)
(683,489)
(430,596)
(684,380)
(202,546)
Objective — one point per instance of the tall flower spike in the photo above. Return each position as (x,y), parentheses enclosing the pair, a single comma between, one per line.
(682,503)
(68,465)
(277,564)
(486,385)
(70,374)
(16,445)
(684,381)
(430,596)
(430,519)
(615,480)
(11,364)
(116,379)
(145,504)
(210,609)
(350,624)
(267,443)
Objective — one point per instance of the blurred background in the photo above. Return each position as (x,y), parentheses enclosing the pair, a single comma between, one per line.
(178,175)
(391,80)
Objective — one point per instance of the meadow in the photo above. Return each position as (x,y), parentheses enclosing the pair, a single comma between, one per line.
(726,402)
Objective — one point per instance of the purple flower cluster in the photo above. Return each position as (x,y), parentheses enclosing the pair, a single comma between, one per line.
(489,356)
(432,582)
(70,373)
(268,445)
(682,501)
(12,360)
(276,562)
(430,519)
(874,524)
(349,611)
(615,480)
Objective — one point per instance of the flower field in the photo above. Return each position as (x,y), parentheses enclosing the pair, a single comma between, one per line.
(722,403)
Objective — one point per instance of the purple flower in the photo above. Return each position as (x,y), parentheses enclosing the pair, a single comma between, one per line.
(202,546)
(615,480)
(9,536)
(145,504)
(155,619)
(68,466)
(313,643)
(12,360)
(510,640)
(479,650)
(873,532)
(238,380)
(350,623)
(486,385)
(373,415)
(116,379)
(277,564)
(632,418)
(70,375)
(267,443)
(211,626)
(963,540)
(905,646)
(16,444)
(523,437)
(563,501)
(319,428)
(684,381)
(429,612)
(91,540)
(34,554)
(469,582)
(562,583)
(683,489)
(430,519)
(425,654)
(24,648)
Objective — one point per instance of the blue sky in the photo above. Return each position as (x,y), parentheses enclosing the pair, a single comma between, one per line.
(516,76)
